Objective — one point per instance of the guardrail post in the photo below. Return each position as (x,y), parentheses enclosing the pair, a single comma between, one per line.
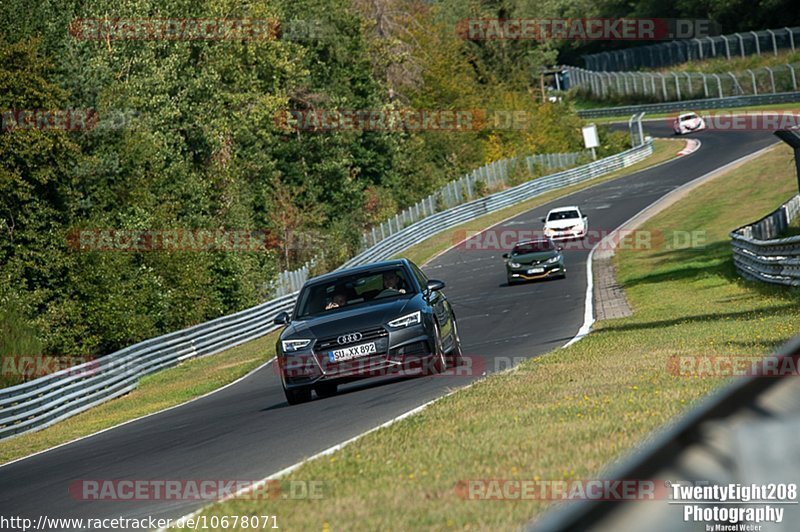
(758,44)
(791,37)
(737,88)
(699,48)
(705,85)
(794,76)
(741,44)
(774,42)
(753,77)
(719,84)
(664,87)
(713,46)
(689,83)
(771,79)
(677,85)
(727,47)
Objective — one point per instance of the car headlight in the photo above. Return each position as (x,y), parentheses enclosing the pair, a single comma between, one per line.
(408,319)
(290,346)
(548,230)
(553,260)
(514,264)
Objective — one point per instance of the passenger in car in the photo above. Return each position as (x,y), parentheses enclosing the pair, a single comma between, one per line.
(339,299)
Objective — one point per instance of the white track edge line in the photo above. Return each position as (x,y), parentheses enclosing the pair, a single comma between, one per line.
(193,399)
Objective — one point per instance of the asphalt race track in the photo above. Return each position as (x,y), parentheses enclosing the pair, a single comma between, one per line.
(247,431)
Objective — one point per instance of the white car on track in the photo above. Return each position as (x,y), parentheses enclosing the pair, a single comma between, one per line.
(688,123)
(565,222)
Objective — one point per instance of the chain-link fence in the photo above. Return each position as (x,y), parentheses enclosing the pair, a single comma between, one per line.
(677,86)
(492,176)
(676,52)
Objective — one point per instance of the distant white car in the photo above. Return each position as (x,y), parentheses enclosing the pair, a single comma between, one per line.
(565,222)
(688,123)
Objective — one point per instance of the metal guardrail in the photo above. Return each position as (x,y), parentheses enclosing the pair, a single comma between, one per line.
(444,220)
(683,85)
(52,398)
(493,175)
(44,401)
(704,446)
(759,252)
(693,105)
(674,52)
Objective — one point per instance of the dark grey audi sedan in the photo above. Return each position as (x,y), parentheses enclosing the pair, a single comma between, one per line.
(366,321)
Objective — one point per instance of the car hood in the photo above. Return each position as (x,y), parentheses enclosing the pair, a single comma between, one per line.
(530,258)
(359,317)
(560,224)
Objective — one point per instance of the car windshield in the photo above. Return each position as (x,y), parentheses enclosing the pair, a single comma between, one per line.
(686,118)
(562,215)
(348,290)
(532,247)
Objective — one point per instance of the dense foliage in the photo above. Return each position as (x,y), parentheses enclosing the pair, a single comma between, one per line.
(187,138)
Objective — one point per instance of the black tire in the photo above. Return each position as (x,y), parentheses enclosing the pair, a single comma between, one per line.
(327,389)
(439,362)
(296,396)
(511,281)
(455,357)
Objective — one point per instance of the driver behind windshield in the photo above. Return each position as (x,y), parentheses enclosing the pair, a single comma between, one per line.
(391,284)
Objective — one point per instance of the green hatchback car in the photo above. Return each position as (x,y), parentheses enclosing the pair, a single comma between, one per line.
(534,259)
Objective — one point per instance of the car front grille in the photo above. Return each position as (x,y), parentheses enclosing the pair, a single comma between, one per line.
(368,335)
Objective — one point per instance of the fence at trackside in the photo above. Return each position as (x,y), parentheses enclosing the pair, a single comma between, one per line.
(693,105)
(676,86)
(761,253)
(491,176)
(444,220)
(675,52)
(44,401)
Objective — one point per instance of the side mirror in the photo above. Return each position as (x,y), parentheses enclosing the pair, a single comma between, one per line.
(282,318)
(560,248)
(505,255)
(541,219)
(434,285)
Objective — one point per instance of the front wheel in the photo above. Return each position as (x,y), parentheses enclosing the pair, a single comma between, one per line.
(296,396)
(439,364)
(456,357)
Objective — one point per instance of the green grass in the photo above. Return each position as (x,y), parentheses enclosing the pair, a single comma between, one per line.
(177,385)
(566,414)
(155,392)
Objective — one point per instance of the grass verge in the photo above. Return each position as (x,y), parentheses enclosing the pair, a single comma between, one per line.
(177,385)
(155,392)
(567,414)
